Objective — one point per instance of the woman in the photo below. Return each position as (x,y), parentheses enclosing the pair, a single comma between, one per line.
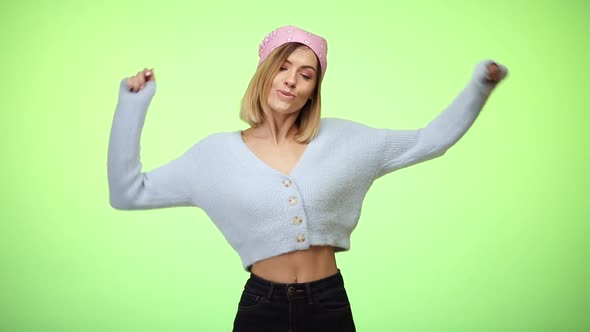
(286,193)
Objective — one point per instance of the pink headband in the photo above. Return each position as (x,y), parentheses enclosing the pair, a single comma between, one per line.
(290,33)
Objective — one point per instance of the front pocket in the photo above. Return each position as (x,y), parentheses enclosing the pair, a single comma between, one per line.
(249,300)
(334,299)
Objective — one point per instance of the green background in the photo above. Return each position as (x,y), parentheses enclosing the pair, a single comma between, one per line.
(493,236)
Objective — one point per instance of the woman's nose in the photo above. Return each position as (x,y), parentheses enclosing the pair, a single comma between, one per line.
(290,79)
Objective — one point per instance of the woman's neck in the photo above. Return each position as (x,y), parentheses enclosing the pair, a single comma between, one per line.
(278,128)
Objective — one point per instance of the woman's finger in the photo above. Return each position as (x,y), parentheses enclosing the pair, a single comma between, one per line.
(149,75)
(141,78)
(132,83)
(136,85)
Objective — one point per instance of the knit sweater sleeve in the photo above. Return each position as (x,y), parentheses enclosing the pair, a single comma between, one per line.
(129,187)
(403,148)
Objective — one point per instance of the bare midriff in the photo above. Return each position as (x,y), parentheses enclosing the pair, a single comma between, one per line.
(300,266)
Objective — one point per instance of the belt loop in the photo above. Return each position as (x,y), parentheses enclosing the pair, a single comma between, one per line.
(308,289)
(270,290)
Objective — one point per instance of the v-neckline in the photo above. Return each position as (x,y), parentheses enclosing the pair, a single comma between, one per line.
(263,164)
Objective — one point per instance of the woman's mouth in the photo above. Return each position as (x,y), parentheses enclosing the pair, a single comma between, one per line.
(286,94)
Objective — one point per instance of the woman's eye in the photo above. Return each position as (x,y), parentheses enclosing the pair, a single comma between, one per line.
(306,77)
(283,68)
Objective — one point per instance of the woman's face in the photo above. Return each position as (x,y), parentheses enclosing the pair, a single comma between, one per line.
(295,82)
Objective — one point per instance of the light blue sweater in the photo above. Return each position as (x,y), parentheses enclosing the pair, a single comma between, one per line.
(260,211)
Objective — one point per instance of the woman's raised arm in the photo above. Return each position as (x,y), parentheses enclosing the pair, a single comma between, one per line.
(402,148)
(129,188)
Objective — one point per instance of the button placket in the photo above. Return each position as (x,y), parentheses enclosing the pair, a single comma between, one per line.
(293,200)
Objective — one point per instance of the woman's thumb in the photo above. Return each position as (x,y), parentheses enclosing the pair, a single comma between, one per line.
(149,75)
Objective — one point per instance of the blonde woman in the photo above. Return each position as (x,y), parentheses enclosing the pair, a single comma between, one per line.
(287,191)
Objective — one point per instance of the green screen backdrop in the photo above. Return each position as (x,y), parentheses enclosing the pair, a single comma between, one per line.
(493,236)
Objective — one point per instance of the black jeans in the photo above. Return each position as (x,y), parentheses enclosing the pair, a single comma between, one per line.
(320,305)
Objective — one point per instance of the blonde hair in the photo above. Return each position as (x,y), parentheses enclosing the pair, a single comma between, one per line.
(255,100)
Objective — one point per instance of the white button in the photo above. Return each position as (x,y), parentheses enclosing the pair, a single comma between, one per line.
(293,200)
(287,183)
(297,220)
(300,238)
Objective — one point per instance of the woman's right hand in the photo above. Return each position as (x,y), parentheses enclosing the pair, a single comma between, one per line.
(137,82)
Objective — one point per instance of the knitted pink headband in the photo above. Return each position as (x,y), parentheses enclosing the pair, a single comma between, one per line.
(290,33)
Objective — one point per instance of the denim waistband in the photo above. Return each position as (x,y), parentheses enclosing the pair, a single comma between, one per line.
(268,289)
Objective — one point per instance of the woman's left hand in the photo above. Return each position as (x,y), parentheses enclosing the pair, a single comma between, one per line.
(493,72)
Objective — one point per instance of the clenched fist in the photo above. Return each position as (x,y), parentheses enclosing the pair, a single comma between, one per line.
(137,82)
(493,72)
